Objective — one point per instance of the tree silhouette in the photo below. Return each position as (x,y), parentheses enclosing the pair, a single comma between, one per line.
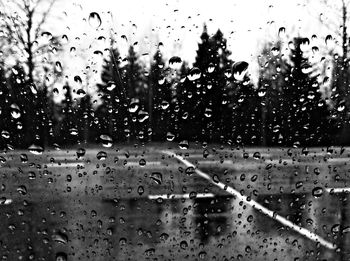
(272,74)
(23,103)
(213,61)
(159,97)
(135,90)
(23,27)
(113,113)
(5,117)
(307,113)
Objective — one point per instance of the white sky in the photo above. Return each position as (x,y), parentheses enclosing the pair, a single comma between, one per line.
(246,24)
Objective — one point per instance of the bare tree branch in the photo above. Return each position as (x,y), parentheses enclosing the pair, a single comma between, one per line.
(43,18)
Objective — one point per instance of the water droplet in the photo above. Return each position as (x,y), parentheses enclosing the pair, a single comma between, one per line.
(175,62)
(22,190)
(183,145)
(335,229)
(31,175)
(261,92)
(36,149)
(275,51)
(164,105)
(150,252)
(257,155)
(170,136)
(299,184)
(164,237)
(190,170)
(317,171)
(2,160)
(268,166)
(317,192)
(157,177)
(46,35)
(193,195)
(216,178)
(202,255)
(111,85)
(142,116)
(239,70)
(64,39)
(58,66)
(5,134)
(315,49)
(60,237)
(183,244)
(33,88)
(228,73)
(328,39)
(122,241)
(134,105)
(24,158)
(81,93)
(140,190)
(101,155)
(106,140)
(281,31)
(205,153)
(95,20)
(15,111)
(211,68)
(194,74)
(208,112)
(250,218)
(73,131)
(80,152)
(77,79)
(142,162)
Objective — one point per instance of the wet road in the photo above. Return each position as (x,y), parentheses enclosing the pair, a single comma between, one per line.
(141,203)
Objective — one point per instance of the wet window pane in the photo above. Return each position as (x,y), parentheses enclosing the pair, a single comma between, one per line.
(174,130)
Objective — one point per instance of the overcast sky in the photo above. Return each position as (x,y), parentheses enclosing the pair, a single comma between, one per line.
(246,24)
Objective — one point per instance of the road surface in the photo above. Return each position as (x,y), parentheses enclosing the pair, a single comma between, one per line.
(151,203)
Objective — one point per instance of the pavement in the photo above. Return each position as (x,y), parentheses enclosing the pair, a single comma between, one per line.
(161,202)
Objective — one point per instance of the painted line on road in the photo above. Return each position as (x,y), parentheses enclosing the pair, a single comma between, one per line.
(66,165)
(136,163)
(312,236)
(338,190)
(180,196)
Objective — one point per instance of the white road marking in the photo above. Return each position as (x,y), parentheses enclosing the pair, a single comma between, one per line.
(256,205)
(66,165)
(179,196)
(338,190)
(147,163)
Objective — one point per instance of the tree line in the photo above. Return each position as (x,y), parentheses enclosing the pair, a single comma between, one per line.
(212,100)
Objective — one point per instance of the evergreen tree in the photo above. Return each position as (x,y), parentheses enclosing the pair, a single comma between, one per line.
(306,122)
(159,97)
(113,114)
(213,62)
(270,91)
(189,102)
(68,127)
(85,114)
(243,124)
(135,94)
(340,104)
(23,104)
